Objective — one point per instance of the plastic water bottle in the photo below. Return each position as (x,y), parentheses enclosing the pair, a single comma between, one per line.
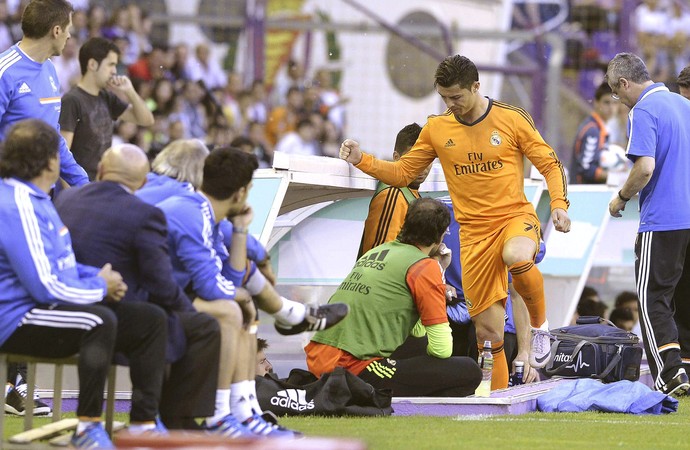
(519,372)
(486,363)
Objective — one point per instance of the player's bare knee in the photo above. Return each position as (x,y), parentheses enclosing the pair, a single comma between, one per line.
(518,248)
(226,312)
(488,334)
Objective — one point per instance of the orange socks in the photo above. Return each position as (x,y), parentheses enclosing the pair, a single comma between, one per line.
(499,374)
(529,283)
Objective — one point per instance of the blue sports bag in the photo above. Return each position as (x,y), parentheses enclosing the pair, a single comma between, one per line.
(594,348)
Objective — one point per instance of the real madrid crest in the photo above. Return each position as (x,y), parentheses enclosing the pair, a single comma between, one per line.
(495,138)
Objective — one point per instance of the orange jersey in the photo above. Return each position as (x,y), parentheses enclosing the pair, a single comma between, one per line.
(483,166)
(387,211)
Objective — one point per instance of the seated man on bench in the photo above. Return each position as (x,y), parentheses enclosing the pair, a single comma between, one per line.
(49,303)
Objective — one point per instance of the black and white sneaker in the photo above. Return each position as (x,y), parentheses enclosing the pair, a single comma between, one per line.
(678,385)
(16,403)
(316,319)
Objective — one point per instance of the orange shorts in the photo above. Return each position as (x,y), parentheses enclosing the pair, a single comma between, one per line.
(484,274)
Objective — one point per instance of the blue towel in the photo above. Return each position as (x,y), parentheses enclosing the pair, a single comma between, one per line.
(586,394)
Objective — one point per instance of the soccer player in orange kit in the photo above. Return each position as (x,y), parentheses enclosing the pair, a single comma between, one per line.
(481,143)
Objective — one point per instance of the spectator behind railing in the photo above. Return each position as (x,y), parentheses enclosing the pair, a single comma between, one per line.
(204,67)
(6,40)
(678,32)
(651,22)
(283,119)
(683,82)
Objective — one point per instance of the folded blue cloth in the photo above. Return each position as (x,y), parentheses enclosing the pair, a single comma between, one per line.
(586,394)
(458,313)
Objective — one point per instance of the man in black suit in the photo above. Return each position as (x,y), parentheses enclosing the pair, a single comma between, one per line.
(108,223)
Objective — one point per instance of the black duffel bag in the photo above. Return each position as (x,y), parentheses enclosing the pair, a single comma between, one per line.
(594,348)
(337,393)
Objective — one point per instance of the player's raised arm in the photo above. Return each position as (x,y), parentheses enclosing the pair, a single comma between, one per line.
(350,151)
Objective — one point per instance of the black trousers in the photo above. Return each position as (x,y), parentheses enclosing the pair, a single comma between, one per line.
(662,282)
(424,375)
(15,370)
(189,390)
(681,304)
(464,344)
(142,337)
(64,330)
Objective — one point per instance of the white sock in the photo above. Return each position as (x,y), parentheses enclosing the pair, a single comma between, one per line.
(140,428)
(222,406)
(239,401)
(82,425)
(291,313)
(252,397)
(544,326)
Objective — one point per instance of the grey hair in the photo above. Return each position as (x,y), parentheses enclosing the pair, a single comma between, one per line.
(628,66)
(183,160)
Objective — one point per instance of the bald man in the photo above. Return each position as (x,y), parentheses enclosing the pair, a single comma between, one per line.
(109,223)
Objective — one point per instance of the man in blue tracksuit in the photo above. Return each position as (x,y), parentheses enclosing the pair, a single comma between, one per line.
(198,254)
(212,273)
(29,86)
(659,146)
(49,302)
(176,170)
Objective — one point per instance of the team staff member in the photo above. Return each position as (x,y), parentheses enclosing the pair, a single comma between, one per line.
(389,204)
(136,245)
(480,144)
(658,146)
(390,289)
(48,301)
(29,86)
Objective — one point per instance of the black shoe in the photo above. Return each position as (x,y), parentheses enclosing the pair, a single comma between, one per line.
(317,319)
(14,403)
(40,408)
(678,385)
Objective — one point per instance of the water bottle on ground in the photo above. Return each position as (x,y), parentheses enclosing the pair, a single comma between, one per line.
(519,373)
(486,363)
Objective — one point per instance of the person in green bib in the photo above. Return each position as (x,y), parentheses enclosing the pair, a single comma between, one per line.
(395,290)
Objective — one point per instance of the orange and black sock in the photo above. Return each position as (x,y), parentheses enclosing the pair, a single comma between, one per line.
(529,283)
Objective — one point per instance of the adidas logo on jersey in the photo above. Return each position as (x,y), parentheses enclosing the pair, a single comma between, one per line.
(450,143)
(24,89)
(292,399)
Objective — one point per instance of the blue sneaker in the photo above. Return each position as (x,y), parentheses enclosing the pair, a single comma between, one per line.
(230,427)
(160,429)
(258,425)
(93,436)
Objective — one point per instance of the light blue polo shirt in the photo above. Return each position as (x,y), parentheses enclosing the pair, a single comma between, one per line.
(659,127)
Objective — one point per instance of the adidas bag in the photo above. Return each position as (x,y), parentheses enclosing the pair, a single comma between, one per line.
(594,348)
(338,393)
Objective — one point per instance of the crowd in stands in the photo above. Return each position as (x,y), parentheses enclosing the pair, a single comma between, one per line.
(624,313)
(192,96)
